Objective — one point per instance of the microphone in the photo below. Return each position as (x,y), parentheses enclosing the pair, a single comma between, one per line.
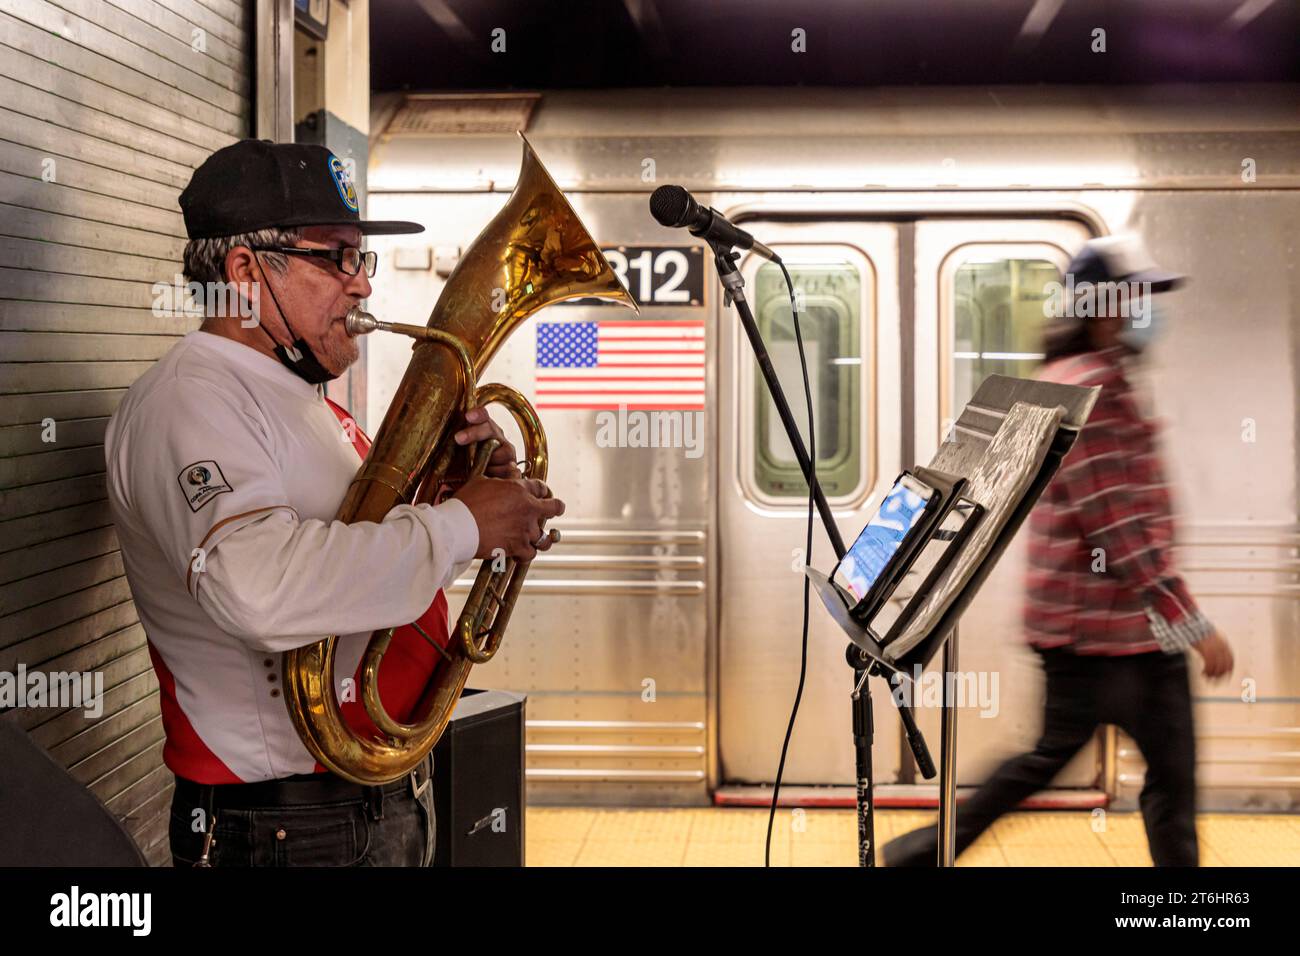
(674,207)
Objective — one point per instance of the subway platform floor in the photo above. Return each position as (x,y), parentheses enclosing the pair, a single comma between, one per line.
(733,836)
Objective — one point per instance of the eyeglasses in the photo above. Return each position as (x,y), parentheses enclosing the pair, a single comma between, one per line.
(349,259)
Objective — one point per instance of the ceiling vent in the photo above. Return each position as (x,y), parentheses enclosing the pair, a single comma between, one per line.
(456,114)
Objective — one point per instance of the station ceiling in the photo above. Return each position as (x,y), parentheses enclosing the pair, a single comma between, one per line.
(555,44)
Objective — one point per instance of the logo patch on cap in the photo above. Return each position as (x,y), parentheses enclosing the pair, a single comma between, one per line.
(343,180)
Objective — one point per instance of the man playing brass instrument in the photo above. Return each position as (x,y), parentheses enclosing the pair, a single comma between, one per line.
(226,467)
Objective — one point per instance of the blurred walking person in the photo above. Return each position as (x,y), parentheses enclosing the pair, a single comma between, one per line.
(1105,609)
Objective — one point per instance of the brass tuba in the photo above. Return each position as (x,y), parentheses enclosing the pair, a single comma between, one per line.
(534,253)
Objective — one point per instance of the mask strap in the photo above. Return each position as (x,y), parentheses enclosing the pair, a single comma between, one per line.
(266,280)
(298,357)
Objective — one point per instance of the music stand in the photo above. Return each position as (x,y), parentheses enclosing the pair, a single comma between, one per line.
(1005,447)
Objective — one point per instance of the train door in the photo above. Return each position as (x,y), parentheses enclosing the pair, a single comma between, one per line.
(902,320)
(847,276)
(979,291)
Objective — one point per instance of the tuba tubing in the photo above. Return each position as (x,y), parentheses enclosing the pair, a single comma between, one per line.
(535,252)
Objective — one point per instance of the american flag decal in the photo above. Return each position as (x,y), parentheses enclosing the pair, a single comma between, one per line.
(627,363)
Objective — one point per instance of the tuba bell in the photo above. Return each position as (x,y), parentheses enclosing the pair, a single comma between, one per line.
(535,252)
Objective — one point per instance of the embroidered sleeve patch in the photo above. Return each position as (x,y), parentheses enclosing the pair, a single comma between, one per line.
(201,482)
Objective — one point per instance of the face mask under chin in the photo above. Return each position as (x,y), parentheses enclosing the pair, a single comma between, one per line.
(298,358)
(302,361)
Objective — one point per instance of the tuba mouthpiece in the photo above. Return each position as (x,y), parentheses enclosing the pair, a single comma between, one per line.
(359,322)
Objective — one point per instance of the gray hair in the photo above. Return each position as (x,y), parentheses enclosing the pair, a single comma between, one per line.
(204,260)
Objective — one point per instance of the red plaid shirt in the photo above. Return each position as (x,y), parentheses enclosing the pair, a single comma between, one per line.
(1100,575)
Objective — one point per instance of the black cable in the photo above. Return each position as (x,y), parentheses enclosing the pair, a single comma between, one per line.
(812,487)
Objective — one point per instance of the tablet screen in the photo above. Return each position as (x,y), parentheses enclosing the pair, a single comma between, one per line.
(880,539)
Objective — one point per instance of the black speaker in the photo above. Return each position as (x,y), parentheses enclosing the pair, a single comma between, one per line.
(478,782)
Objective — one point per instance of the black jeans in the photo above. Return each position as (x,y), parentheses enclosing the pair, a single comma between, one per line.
(351,826)
(1146,695)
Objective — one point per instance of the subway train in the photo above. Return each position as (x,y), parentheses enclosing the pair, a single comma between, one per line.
(659,644)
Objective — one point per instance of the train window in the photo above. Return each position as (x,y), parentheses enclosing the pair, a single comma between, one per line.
(996,313)
(831,323)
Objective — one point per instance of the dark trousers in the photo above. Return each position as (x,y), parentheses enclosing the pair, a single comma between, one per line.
(309,820)
(1146,695)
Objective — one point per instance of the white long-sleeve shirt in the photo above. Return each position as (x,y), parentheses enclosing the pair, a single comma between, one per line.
(225,471)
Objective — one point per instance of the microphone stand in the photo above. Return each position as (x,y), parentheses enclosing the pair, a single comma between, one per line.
(863,667)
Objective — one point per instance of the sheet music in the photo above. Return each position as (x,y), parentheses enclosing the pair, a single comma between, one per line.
(1000,474)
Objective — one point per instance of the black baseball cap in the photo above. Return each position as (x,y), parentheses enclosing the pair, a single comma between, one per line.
(257,184)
